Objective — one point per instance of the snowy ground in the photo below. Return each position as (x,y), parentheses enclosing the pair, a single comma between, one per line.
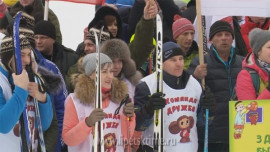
(73,18)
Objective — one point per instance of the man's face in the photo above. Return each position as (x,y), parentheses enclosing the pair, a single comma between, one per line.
(185,39)
(44,44)
(89,46)
(222,41)
(174,65)
(26,2)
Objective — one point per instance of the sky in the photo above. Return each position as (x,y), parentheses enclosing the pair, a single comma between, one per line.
(73,18)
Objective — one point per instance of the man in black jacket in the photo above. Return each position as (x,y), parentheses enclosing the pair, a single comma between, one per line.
(220,71)
(45,36)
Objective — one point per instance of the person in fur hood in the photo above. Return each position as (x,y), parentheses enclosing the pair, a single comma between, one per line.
(81,116)
(16,97)
(124,68)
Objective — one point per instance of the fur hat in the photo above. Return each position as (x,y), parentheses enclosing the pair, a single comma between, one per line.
(45,28)
(171,49)
(104,35)
(116,48)
(100,15)
(219,26)
(181,25)
(257,38)
(89,62)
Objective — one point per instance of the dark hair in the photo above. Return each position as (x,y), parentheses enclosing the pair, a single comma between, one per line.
(109,19)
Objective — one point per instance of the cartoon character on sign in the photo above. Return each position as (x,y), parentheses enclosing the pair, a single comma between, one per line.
(110,142)
(239,120)
(182,125)
(253,114)
(253,117)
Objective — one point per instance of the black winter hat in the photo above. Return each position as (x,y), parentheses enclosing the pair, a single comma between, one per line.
(219,26)
(45,28)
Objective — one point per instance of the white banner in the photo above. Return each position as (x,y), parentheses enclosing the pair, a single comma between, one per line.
(259,8)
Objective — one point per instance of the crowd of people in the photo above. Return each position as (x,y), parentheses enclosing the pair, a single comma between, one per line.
(50,104)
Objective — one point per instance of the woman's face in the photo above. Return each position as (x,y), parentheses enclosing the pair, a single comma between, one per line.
(113,28)
(25,57)
(264,53)
(106,76)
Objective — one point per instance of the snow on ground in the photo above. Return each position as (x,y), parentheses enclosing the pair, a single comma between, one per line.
(73,18)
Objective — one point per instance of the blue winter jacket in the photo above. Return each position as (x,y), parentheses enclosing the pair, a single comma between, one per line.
(57,99)
(11,110)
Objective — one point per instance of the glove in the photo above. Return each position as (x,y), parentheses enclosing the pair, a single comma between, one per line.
(208,101)
(156,101)
(95,116)
(129,109)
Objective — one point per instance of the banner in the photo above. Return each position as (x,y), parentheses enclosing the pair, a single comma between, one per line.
(236,8)
(93,2)
(249,125)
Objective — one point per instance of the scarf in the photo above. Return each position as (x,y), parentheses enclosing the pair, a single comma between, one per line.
(265,66)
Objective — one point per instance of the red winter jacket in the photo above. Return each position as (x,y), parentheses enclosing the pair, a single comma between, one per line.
(247,27)
(244,84)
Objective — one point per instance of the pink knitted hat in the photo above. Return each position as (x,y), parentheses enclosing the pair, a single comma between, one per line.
(181,25)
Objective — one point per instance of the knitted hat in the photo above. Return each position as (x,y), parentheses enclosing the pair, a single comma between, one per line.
(181,25)
(45,28)
(26,21)
(7,44)
(219,26)
(89,62)
(257,38)
(104,35)
(7,48)
(171,49)
(29,34)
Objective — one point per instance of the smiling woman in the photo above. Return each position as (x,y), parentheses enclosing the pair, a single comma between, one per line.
(75,16)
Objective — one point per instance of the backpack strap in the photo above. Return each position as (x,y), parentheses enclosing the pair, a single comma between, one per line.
(255,79)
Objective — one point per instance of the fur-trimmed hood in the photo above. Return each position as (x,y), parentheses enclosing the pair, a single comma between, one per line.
(85,90)
(116,48)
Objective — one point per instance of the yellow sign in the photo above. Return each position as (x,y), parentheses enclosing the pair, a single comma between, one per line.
(249,122)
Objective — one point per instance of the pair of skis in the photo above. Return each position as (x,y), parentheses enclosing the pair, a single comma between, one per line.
(158,115)
(98,132)
(26,143)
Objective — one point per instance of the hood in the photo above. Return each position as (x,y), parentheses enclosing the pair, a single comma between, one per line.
(101,13)
(251,62)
